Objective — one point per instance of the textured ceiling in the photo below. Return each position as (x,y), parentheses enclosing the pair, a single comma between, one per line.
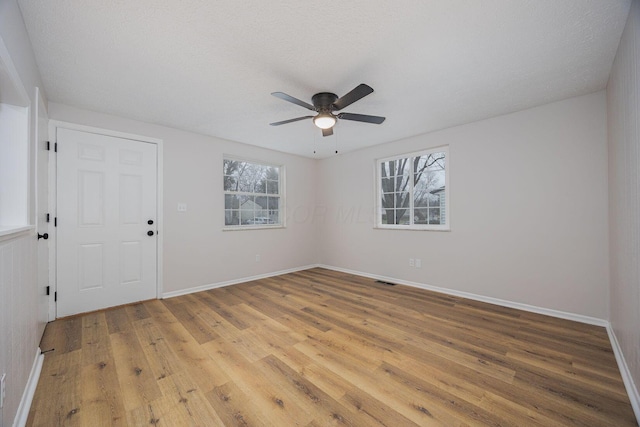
(210,66)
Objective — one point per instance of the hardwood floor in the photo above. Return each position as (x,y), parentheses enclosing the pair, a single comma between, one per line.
(321,348)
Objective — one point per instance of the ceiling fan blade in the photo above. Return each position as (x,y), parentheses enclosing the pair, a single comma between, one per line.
(284,122)
(361,118)
(290,98)
(327,132)
(359,92)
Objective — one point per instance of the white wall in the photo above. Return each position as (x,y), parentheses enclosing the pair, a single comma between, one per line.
(19,330)
(20,321)
(196,250)
(623,100)
(528,210)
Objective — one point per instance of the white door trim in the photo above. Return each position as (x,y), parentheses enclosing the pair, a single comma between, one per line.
(54,125)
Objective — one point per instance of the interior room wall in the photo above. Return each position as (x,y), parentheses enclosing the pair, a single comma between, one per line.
(623,100)
(196,250)
(528,195)
(20,320)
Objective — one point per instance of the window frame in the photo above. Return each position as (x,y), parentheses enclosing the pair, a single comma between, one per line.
(411,226)
(17,214)
(280,195)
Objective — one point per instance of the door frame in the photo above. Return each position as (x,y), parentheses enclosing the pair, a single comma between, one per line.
(41,116)
(54,125)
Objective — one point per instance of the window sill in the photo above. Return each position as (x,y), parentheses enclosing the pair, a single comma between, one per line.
(12,231)
(257,227)
(409,228)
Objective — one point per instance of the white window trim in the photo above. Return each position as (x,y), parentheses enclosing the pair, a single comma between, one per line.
(420,227)
(281,194)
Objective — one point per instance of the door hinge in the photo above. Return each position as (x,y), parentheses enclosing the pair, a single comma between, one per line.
(55,147)
(55,221)
(48,146)
(55,297)
(48,290)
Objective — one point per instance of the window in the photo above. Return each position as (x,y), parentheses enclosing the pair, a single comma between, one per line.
(15,173)
(252,194)
(412,191)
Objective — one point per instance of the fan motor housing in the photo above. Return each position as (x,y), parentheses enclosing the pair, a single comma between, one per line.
(322,101)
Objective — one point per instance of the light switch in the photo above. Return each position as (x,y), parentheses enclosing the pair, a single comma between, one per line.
(182,207)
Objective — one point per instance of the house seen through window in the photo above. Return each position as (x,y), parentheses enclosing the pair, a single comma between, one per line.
(413,192)
(252,194)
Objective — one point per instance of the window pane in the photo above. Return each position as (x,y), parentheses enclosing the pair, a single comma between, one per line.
(230,183)
(388,216)
(231,217)
(247,216)
(434,216)
(420,199)
(436,161)
(272,187)
(402,182)
(402,200)
(422,185)
(230,167)
(402,216)
(401,167)
(247,207)
(388,184)
(388,200)
(388,168)
(261,202)
(273,173)
(273,203)
(245,183)
(231,201)
(420,216)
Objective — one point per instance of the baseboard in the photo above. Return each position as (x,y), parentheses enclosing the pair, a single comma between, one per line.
(632,390)
(504,303)
(30,390)
(234,281)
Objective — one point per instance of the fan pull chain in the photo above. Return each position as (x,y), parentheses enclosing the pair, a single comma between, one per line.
(315,142)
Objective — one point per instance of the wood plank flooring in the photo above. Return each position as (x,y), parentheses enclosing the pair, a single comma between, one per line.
(322,348)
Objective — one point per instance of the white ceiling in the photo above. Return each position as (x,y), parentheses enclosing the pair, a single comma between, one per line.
(210,66)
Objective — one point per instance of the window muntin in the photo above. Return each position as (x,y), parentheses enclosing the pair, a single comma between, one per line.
(412,191)
(252,194)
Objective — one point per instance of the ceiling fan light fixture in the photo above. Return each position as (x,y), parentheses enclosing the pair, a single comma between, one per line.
(324,120)
(325,104)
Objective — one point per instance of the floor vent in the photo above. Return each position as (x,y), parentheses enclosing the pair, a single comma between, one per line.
(385,283)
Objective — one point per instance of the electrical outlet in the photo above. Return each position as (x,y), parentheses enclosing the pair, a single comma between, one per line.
(182,207)
(3,389)
(257,258)
(418,263)
(411,262)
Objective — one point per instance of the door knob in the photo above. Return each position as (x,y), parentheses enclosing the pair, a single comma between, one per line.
(44,236)
(150,222)
(149,233)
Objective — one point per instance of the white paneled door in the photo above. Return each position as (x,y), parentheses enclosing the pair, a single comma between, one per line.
(106,221)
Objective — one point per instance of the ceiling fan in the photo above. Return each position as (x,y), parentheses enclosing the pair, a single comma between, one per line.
(325,103)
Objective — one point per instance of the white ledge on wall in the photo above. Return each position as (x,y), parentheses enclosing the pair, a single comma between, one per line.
(11,231)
